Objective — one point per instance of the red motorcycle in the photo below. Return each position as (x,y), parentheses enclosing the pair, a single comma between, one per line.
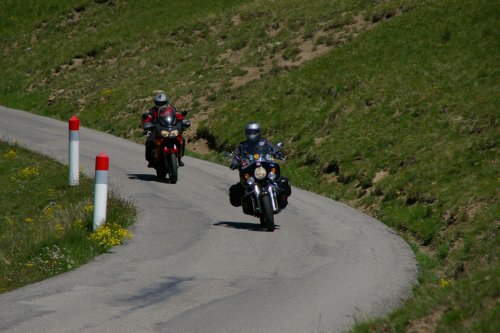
(168,144)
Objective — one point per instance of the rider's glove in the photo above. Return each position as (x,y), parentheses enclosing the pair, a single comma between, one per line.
(233,165)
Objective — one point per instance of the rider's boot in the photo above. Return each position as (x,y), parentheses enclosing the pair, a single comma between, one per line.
(149,158)
(183,147)
(149,151)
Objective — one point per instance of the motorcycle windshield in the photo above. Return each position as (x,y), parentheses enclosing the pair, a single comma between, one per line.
(256,151)
(166,117)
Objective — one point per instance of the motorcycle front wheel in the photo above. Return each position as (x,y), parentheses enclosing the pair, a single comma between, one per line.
(266,215)
(173,167)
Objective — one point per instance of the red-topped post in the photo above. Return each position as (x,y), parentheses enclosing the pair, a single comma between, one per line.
(74,151)
(101,190)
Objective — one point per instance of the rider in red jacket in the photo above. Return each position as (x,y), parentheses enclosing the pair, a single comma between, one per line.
(149,119)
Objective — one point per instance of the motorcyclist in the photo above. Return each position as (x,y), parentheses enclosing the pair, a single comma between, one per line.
(149,119)
(236,191)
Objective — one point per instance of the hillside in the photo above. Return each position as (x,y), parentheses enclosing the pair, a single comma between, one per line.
(389,106)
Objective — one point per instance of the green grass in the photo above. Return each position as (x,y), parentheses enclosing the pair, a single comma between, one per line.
(408,90)
(45,225)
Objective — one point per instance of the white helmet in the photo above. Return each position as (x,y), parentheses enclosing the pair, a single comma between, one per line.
(160,100)
(252,131)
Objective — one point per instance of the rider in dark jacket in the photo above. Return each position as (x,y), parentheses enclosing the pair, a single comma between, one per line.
(236,191)
(149,119)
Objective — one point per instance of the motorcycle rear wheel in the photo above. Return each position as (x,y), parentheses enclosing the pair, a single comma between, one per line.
(266,215)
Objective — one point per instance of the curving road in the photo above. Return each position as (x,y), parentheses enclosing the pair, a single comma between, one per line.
(197,264)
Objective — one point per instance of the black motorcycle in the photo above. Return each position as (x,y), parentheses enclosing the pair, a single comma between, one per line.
(260,176)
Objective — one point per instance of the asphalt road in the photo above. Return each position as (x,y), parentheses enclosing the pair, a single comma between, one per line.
(197,264)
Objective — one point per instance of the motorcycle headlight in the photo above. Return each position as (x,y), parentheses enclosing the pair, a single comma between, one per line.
(250,181)
(272,175)
(169,134)
(260,173)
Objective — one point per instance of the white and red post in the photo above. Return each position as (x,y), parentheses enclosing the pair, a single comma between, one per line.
(74,151)
(101,190)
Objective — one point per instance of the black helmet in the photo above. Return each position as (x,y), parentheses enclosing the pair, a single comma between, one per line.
(252,131)
(160,100)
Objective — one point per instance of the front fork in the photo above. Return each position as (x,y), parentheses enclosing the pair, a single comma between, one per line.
(269,190)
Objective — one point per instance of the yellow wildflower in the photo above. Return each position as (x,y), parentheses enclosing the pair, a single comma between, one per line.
(78,223)
(48,211)
(30,172)
(28,220)
(10,154)
(88,209)
(109,235)
(444,283)
(106,92)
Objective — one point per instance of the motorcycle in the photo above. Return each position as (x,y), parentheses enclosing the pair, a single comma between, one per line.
(260,175)
(168,144)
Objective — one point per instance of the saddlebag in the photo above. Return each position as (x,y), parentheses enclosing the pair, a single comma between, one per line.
(246,204)
(284,191)
(236,193)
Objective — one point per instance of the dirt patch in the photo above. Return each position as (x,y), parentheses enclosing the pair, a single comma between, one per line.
(232,56)
(57,95)
(73,18)
(379,176)
(252,74)
(72,64)
(316,44)
(472,209)
(199,146)
(319,140)
(184,102)
(426,324)
(194,143)
(274,29)
(236,20)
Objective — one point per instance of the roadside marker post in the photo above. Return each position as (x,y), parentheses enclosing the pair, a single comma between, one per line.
(101,190)
(74,151)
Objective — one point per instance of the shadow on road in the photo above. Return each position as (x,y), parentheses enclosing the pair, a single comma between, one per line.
(146,177)
(155,293)
(242,225)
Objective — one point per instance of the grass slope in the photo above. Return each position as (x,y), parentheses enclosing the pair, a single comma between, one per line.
(390,106)
(45,223)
